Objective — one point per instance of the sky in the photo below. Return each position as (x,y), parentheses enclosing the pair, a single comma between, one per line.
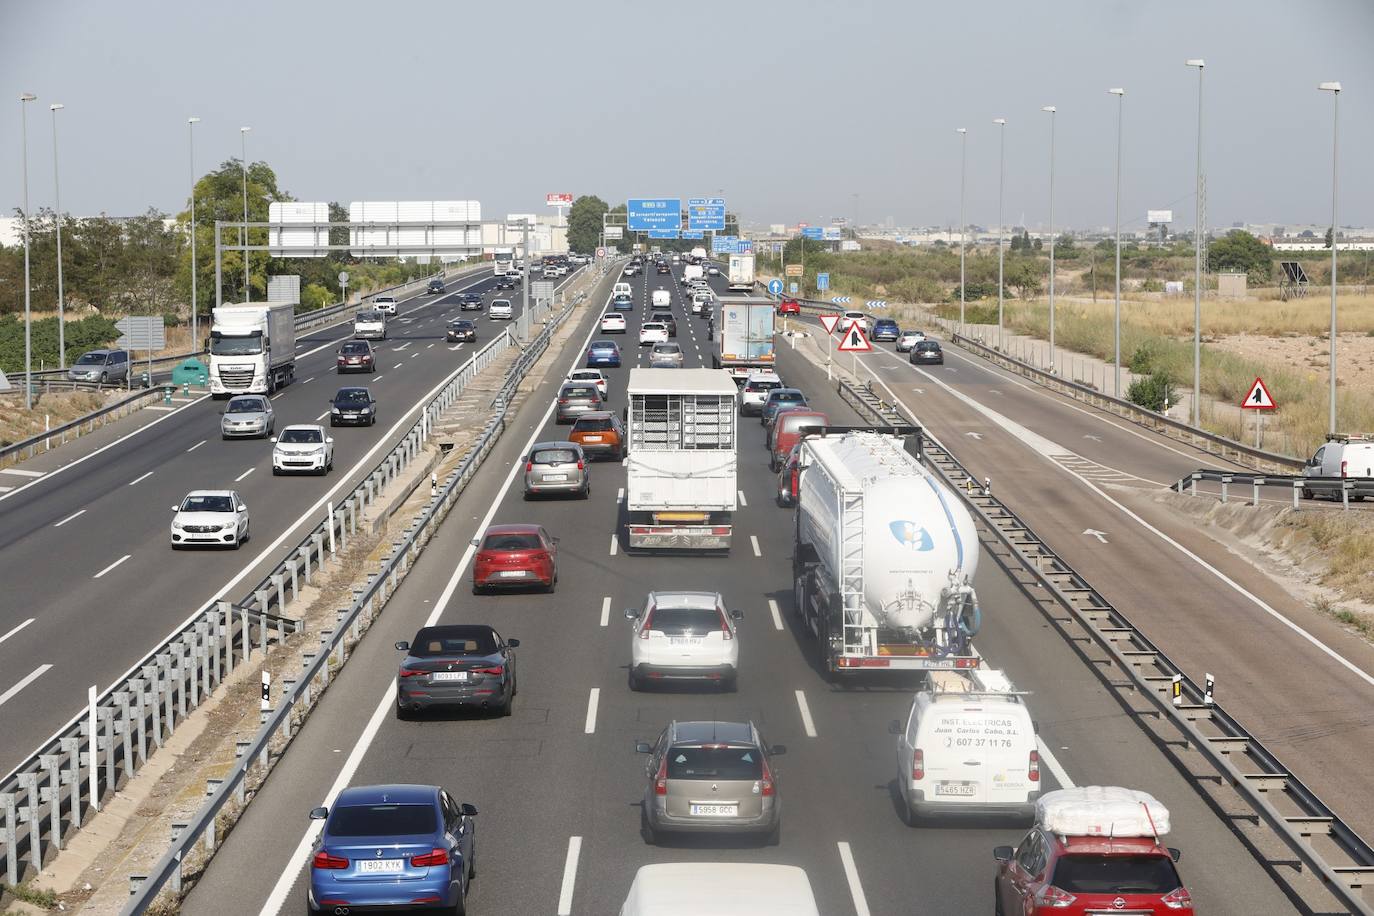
(790,107)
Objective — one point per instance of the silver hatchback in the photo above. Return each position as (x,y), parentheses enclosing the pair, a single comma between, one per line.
(665,356)
(557,467)
(577,398)
(248,415)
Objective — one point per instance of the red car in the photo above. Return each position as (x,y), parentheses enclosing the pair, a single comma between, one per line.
(789,306)
(1074,875)
(789,478)
(515,556)
(787,431)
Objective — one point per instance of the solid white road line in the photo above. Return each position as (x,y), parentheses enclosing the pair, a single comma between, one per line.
(614,544)
(20,472)
(565,893)
(159,407)
(777,615)
(402,346)
(112,566)
(593,701)
(31,619)
(851,874)
(1052,763)
(32,676)
(70,517)
(243,475)
(605,612)
(197,445)
(754,543)
(742,500)
(137,479)
(807,722)
(620,495)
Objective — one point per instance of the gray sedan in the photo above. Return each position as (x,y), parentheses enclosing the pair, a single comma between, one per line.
(247,415)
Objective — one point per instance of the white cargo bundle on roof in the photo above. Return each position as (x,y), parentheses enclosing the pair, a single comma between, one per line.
(1105,811)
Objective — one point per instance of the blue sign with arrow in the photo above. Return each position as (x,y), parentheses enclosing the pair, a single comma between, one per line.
(663,233)
(706,213)
(775,287)
(690,234)
(823,281)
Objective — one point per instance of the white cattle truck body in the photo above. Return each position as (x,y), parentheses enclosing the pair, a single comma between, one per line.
(252,348)
(681,482)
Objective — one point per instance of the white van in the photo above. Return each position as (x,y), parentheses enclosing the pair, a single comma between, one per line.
(621,289)
(662,298)
(967,745)
(1341,456)
(720,889)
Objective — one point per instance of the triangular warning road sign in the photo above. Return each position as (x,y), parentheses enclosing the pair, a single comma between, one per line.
(854,340)
(1259,397)
(828,322)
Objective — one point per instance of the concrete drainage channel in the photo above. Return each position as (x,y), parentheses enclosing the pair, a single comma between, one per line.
(42,801)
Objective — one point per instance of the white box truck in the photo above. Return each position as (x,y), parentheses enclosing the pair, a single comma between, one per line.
(743,335)
(741,273)
(681,487)
(884,556)
(693,272)
(252,348)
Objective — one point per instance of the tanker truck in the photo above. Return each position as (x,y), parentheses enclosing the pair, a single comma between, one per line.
(884,556)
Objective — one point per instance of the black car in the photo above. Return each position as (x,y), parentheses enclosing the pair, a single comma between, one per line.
(456,665)
(663,268)
(435,286)
(461,329)
(668,319)
(469,302)
(506,281)
(354,406)
(927,352)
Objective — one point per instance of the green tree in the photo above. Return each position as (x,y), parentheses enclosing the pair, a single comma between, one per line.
(1239,250)
(1327,239)
(584,223)
(219,196)
(1023,276)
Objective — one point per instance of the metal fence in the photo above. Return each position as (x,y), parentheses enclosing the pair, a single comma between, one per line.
(1344,489)
(44,441)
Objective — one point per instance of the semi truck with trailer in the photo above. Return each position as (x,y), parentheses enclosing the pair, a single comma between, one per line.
(884,556)
(252,348)
(743,335)
(681,487)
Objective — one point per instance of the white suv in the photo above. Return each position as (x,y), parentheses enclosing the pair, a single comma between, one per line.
(385,304)
(302,447)
(652,332)
(499,309)
(755,391)
(684,636)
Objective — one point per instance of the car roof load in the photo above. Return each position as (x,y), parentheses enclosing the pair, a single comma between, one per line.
(1102,811)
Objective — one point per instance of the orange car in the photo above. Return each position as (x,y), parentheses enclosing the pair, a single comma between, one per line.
(600,433)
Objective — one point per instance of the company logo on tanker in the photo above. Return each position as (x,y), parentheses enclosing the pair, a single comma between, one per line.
(911,535)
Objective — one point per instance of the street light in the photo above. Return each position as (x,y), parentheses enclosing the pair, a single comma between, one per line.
(963,163)
(28,314)
(1116,321)
(243,233)
(191,136)
(1335,90)
(57,203)
(1197,256)
(1051,110)
(1001,230)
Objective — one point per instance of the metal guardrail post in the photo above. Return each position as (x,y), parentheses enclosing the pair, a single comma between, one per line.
(1225,485)
(228,631)
(1297,488)
(50,764)
(241,748)
(1346,487)
(1256,482)
(11,838)
(307,662)
(71,749)
(28,814)
(125,726)
(279,581)
(178,828)
(211,787)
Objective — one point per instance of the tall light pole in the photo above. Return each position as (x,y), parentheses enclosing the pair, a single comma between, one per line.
(1335,90)
(855,195)
(243,233)
(1197,256)
(1116,321)
(1001,230)
(191,136)
(963,223)
(28,314)
(1051,109)
(57,203)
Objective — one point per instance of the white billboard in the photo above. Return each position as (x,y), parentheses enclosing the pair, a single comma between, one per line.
(1159,216)
(454,225)
(300,242)
(614,232)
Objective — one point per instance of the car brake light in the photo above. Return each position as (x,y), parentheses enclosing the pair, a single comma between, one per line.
(325,860)
(529,466)
(1034,774)
(766,783)
(1051,896)
(724,625)
(918,765)
(496,671)
(1179,899)
(661,778)
(581,466)
(433,857)
(562,400)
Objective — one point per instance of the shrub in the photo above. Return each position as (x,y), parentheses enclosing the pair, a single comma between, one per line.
(1153,392)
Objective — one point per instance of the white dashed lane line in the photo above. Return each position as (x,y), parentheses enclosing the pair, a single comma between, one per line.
(807,722)
(754,543)
(197,445)
(111,566)
(137,479)
(70,517)
(593,700)
(243,475)
(606,611)
(777,615)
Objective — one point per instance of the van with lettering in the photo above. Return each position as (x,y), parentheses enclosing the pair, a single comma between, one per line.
(967,746)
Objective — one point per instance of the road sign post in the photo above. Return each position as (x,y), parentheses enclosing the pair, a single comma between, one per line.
(343,285)
(822,281)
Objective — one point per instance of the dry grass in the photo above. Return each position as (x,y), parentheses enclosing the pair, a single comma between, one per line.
(1173,316)
(56,407)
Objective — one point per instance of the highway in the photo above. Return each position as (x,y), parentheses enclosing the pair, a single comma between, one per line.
(558,784)
(91,583)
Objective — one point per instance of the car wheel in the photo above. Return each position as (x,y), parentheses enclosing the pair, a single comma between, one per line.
(730,684)
(774,836)
(586,490)
(646,830)
(507,706)
(461,907)
(403,714)
(476,589)
(276,472)
(332,424)
(636,683)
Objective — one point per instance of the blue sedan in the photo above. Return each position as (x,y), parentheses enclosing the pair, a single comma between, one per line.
(603,353)
(390,847)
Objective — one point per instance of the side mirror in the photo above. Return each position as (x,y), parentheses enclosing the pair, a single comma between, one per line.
(328,440)
(1175,854)
(176,508)
(1002,853)
(319,814)
(631,614)
(468,810)
(643,747)
(513,643)
(737,615)
(273,440)
(403,646)
(778,750)
(894,727)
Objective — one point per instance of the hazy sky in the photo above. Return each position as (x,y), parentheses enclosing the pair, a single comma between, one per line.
(790,106)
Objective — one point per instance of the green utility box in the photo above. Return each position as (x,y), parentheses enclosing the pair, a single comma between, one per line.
(191,372)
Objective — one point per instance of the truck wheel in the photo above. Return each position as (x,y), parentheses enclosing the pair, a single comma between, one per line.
(1307,494)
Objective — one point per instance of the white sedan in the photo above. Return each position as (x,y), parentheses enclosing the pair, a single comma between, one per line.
(303,447)
(594,376)
(613,323)
(213,517)
(652,332)
(500,309)
(713,271)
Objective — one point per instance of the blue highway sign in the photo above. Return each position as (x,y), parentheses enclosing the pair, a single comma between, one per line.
(646,213)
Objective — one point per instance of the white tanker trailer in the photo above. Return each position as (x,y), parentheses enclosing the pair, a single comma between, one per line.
(884,557)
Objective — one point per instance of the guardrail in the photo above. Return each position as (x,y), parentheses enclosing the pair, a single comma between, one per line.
(43,441)
(1330,857)
(1350,489)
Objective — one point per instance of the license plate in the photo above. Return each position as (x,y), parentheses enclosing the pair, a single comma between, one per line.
(450,675)
(714,810)
(381,866)
(684,641)
(955,788)
(591,438)
(512,573)
(555,476)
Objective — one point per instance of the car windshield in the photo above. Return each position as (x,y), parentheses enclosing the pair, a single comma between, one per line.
(385,300)
(91,359)
(684,620)
(467,641)
(714,763)
(245,405)
(353,349)
(579,391)
(351,396)
(244,345)
(208,504)
(382,820)
(301,435)
(509,541)
(554,455)
(370,316)
(790,424)
(592,424)
(927,345)
(669,349)
(762,385)
(602,345)
(1115,875)
(779,396)
(462,325)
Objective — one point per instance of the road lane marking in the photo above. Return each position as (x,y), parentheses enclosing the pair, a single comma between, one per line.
(454,349)
(413,355)
(851,874)
(377,378)
(397,366)
(742,500)
(308,381)
(21,472)
(32,676)
(70,517)
(197,445)
(243,475)
(402,346)
(807,722)
(430,347)
(777,615)
(605,612)
(754,543)
(614,543)
(593,700)
(322,416)
(112,566)
(565,893)
(31,620)
(620,495)
(137,479)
